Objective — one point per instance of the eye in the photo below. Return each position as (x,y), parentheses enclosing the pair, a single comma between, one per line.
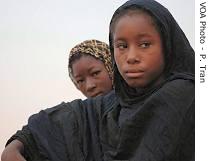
(79,81)
(95,73)
(145,45)
(121,45)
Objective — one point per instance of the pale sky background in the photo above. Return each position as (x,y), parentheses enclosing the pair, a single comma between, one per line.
(35,39)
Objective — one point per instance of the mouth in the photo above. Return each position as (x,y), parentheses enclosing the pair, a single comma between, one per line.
(134,73)
(96,94)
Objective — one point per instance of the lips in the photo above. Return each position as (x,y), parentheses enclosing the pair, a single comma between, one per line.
(134,73)
(96,94)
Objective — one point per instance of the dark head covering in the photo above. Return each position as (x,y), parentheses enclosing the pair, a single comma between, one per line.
(179,55)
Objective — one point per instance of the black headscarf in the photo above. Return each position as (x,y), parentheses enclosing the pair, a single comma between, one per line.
(179,55)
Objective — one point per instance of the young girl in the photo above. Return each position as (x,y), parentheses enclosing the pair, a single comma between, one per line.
(92,80)
(150,113)
(95,78)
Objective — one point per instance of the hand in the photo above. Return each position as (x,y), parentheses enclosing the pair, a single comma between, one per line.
(12,152)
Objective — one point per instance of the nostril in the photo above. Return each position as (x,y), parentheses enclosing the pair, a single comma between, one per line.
(132,60)
(90,87)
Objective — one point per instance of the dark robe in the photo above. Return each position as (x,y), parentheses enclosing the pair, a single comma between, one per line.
(159,128)
(151,124)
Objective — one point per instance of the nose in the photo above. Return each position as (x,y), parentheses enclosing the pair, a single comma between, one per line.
(132,56)
(90,85)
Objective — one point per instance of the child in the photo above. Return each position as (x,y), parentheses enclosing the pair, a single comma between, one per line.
(92,80)
(150,113)
(95,78)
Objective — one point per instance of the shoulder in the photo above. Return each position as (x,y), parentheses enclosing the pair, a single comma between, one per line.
(109,101)
(54,113)
(99,104)
(178,88)
(176,97)
(77,108)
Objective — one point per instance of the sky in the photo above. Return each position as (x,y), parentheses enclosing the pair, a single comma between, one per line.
(35,39)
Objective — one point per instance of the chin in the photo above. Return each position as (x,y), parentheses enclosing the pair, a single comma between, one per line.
(135,84)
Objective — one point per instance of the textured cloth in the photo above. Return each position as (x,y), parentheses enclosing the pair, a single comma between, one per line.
(95,48)
(160,128)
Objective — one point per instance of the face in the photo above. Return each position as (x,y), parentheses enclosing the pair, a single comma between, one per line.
(91,76)
(138,50)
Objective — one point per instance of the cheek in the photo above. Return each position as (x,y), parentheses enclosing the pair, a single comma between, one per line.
(161,62)
(80,88)
(161,57)
(108,85)
(158,64)
(105,81)
(118,60)
(106,78)
(115,56)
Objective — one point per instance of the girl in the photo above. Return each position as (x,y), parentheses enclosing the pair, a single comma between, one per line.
(92,80)
(95,78)
(150,113)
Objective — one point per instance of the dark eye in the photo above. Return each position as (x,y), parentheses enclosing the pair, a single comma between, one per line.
(79,81)
(96,73)
(121,45)
(145,44)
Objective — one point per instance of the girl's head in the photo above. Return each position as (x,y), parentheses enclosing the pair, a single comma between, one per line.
(138,51)
(90,68)
(147,44)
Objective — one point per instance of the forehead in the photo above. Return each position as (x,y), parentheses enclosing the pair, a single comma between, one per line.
(85,64)
(130,12)
(134,24)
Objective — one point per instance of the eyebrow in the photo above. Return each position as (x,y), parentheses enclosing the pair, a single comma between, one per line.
(77,76)
(89,70)
(139,35)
